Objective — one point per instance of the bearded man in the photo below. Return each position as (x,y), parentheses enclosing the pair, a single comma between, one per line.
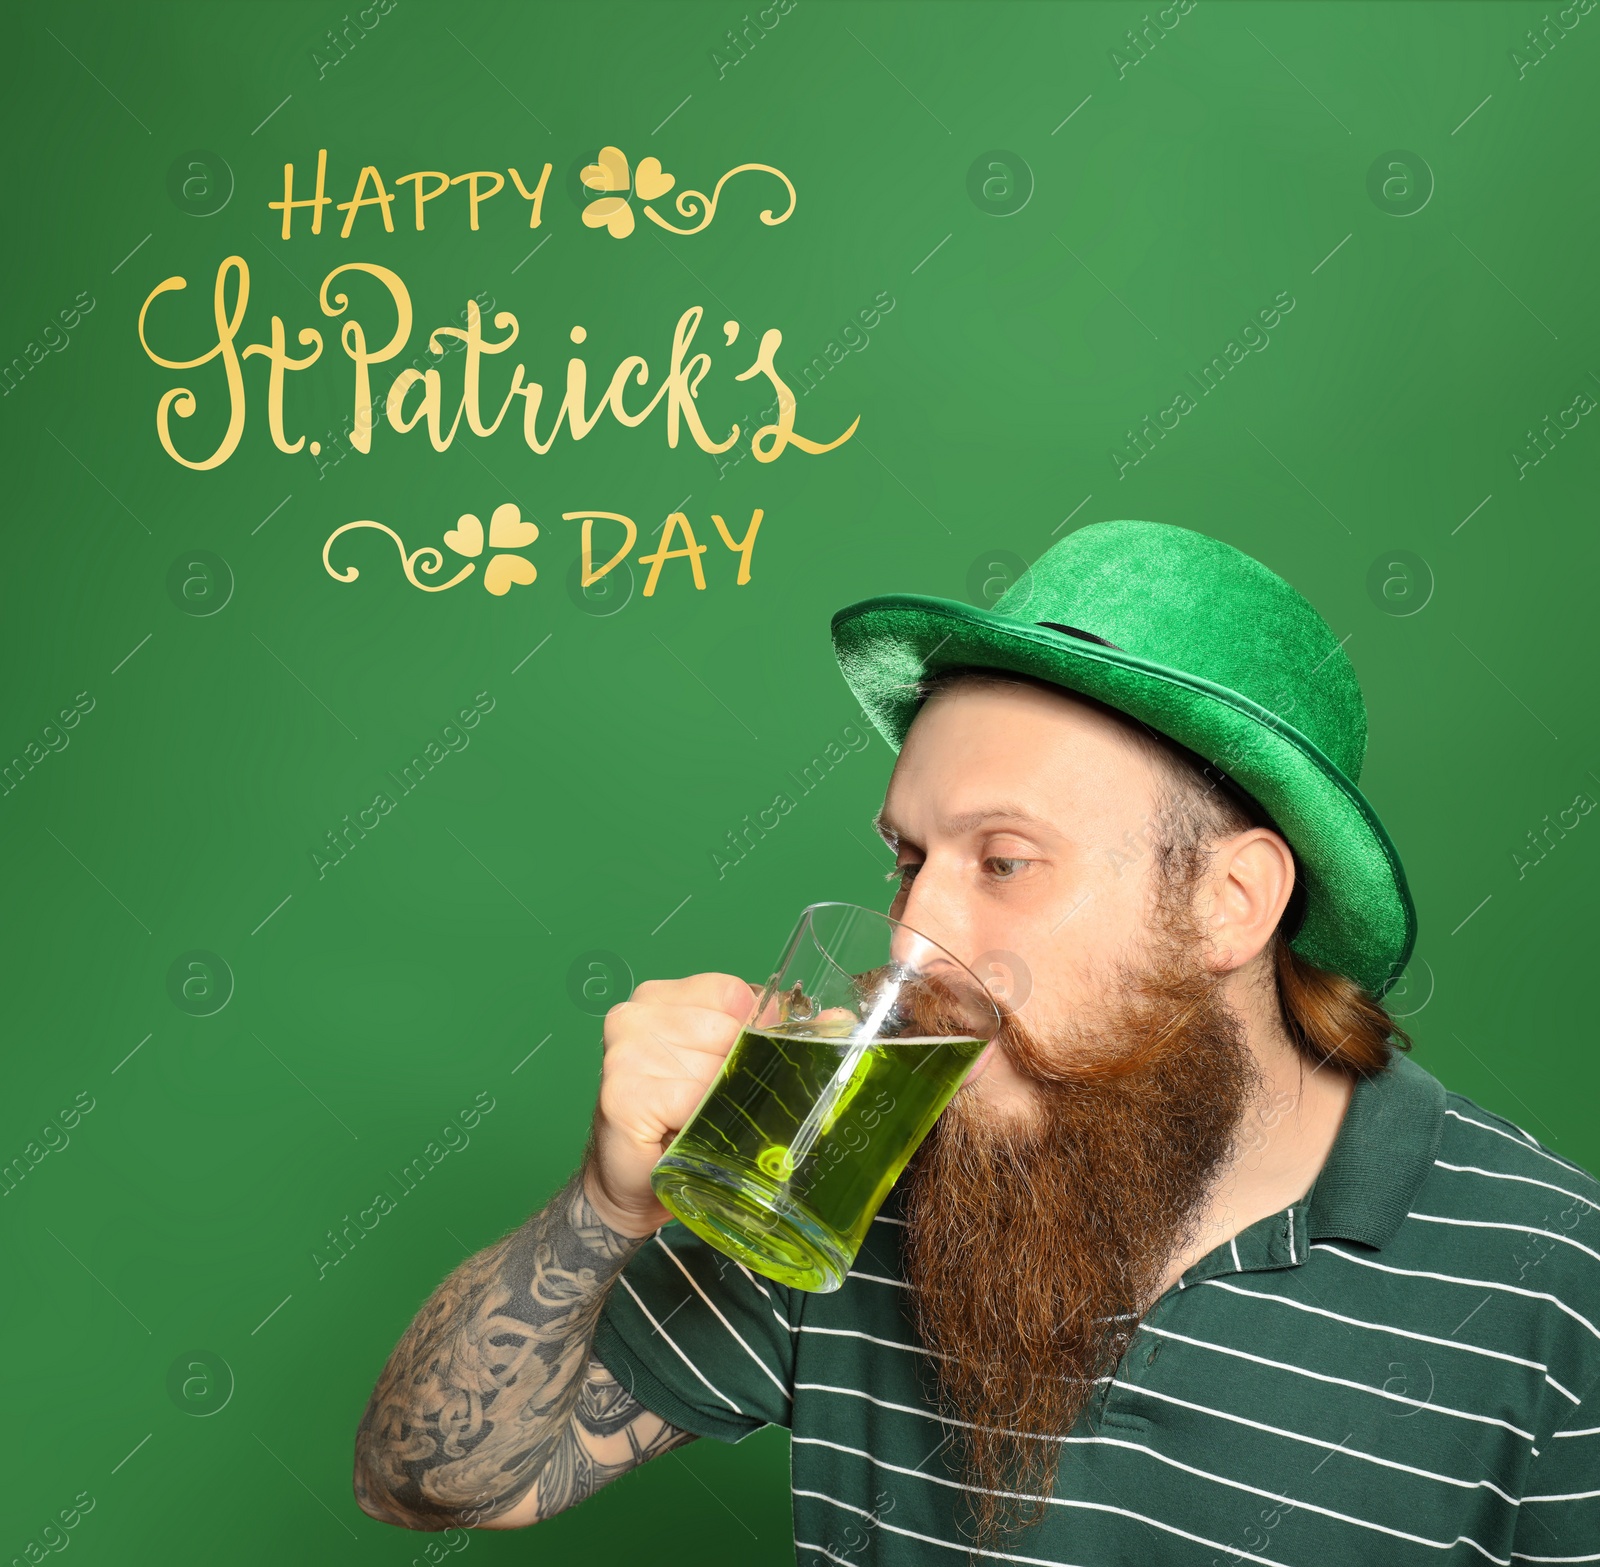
(1197,1265)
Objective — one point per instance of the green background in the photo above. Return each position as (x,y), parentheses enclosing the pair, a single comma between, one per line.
(1171,201)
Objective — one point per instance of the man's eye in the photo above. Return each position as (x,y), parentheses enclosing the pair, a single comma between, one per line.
(1004,869)
(904,874)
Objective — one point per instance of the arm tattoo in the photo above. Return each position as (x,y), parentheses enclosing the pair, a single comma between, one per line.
(589,1453)
(492,1391)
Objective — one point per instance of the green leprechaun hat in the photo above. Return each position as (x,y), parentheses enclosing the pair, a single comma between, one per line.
(1207,646)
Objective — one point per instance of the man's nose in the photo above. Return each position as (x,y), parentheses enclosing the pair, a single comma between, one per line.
(935,909)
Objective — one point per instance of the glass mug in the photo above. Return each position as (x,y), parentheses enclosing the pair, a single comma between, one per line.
(857,1043)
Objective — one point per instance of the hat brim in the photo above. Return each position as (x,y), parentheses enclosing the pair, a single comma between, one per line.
(1359,917)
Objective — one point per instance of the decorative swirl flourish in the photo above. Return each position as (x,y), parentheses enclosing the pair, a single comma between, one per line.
(690,203)
(432,560)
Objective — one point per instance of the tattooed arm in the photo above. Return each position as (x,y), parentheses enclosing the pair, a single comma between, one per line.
(491,1411)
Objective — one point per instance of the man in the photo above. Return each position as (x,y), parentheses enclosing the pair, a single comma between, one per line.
(1197,1266)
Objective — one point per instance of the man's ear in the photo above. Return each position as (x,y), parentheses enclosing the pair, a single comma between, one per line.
(1249,883)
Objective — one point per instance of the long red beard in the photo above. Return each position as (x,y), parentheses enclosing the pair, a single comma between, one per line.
(1033,1249)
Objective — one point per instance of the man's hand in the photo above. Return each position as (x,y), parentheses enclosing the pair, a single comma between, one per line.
(663,1046)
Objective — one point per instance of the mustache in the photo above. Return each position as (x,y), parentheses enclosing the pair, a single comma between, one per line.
(935,1004)
(1171,999)
(1097,1056)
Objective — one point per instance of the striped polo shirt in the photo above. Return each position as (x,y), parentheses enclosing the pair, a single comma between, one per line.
(1403,1367)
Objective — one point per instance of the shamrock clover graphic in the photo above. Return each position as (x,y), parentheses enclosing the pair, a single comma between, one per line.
(610,173)
(507,531)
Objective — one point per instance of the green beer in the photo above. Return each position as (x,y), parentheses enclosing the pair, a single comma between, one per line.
(799,1140)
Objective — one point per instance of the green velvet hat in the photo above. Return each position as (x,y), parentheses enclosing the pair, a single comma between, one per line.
(1207,646)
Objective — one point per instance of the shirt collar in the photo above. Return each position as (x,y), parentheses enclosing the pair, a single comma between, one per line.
(1384,1150)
